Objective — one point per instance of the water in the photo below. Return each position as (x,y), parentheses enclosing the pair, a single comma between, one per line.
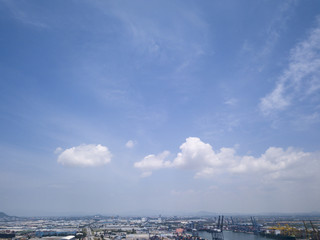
(228,235)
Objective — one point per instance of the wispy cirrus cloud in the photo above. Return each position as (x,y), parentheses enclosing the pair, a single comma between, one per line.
(19,12)
(178,39)
(300,80)
(271,34)
(277,26)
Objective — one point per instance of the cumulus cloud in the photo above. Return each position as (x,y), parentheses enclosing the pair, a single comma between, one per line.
(273,164)
(153,162)
(130,144)
(301,78)
(85,156)
(195,154)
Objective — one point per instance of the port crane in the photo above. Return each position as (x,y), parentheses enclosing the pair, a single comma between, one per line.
(255,226)
(217,233)
(314,234)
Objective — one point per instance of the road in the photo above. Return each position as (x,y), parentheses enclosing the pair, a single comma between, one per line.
(89,234)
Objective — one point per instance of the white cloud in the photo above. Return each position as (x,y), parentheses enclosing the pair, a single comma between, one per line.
(152,162)
(195,154)
(146,174)
(231,102)
(130,144)
(58,150)
(300,79)
(274,164)
(274,160)
(85,156)
(276,100)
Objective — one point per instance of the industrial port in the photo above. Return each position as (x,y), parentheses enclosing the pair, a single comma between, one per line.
(160,227)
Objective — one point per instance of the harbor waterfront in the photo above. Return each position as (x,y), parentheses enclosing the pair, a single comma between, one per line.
(100,227)
(229,235)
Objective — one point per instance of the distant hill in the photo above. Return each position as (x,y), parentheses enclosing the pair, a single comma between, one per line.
(2,215)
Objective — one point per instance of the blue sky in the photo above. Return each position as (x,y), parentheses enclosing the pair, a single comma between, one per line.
(125,107)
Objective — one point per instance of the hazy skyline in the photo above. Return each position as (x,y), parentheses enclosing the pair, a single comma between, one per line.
(117,107)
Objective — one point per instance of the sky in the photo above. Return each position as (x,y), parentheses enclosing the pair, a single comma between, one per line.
(159,107)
